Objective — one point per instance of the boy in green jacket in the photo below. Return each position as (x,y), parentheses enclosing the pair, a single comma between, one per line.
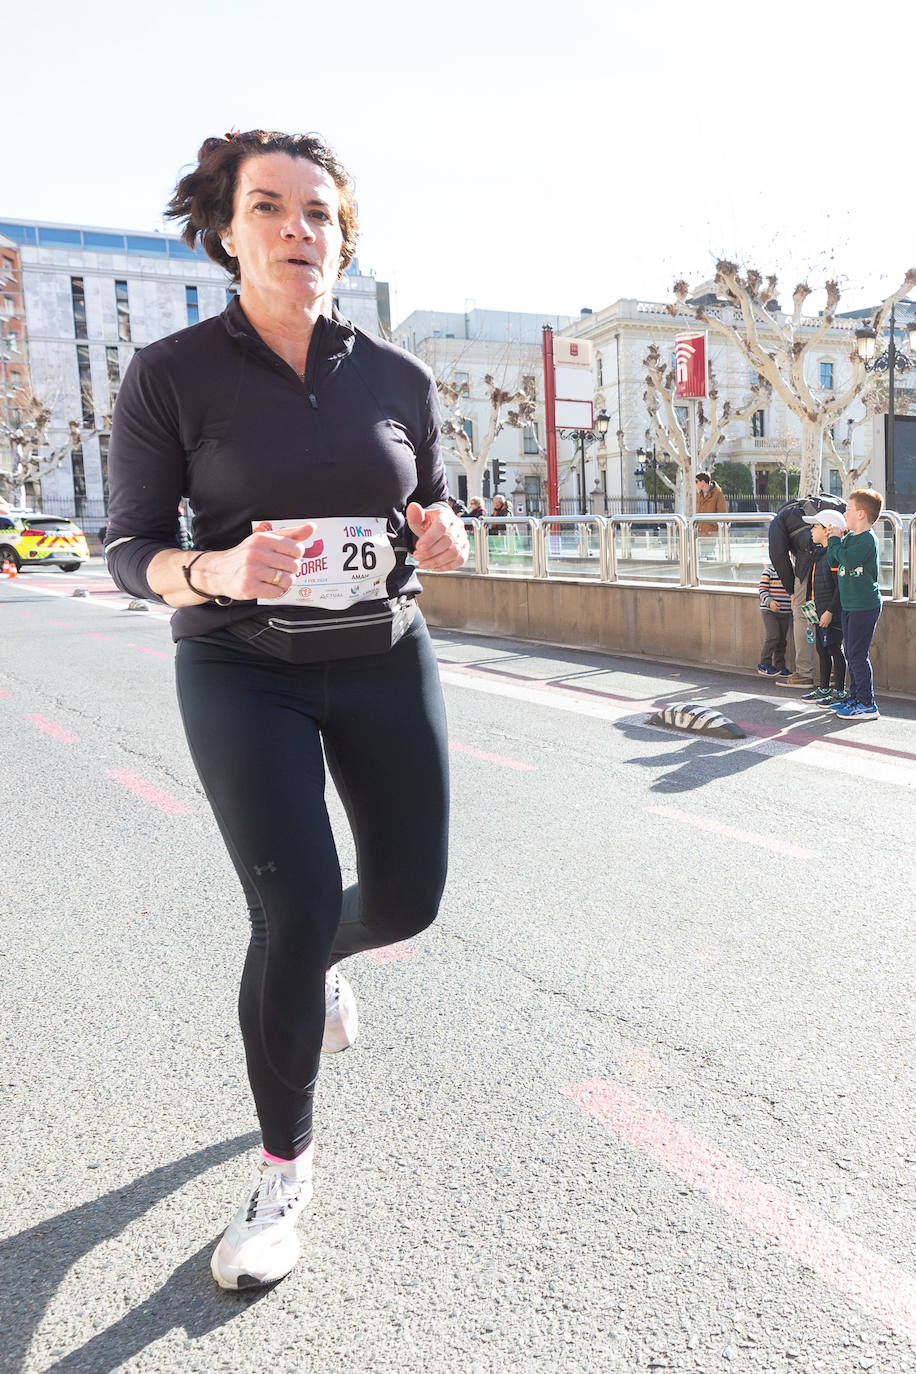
(856,555)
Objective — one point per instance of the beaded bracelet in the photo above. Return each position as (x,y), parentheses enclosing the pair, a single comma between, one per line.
(186,569)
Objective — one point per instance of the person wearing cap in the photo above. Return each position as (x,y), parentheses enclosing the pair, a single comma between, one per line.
(792,555)
(825,606)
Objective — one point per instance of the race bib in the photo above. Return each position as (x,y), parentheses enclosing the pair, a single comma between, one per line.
(348,560)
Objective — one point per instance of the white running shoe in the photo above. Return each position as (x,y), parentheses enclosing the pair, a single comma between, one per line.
(260,1244)
(341,1016)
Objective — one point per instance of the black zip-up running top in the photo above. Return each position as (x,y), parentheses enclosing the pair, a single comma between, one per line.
(214,415)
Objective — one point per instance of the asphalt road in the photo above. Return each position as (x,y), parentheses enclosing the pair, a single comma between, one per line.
(642,1098)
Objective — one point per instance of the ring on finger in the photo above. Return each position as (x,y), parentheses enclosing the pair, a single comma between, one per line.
(276,579)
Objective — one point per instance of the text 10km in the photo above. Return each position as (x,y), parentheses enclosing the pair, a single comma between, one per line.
(358,531)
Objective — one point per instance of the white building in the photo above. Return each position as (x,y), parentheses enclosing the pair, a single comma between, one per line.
(93,296)
(767,443)
(463,348)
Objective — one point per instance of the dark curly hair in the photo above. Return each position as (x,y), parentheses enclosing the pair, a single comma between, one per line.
(205,197)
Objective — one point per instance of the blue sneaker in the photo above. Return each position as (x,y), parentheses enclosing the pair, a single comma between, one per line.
(869,712)
(781,672)
(852,708)
(766,669)
(841,703)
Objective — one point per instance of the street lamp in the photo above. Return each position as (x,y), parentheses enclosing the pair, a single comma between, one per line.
(648,463)
(892,361)
(602,421)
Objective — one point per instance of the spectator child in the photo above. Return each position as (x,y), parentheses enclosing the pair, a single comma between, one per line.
(856,556)
(825,594)
(776,610)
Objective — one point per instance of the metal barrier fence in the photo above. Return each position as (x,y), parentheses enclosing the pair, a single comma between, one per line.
(665,548)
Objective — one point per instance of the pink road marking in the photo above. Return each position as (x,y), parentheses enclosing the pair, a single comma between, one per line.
(4,693)
(23,611)
(59,624)
(490,758)
(850,1268)
(790,735)
(732,832)
(148,793)
(391,954)
(51,728)
(94,634)
(156,653)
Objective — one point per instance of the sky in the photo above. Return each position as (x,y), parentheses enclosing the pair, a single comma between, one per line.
(538,157)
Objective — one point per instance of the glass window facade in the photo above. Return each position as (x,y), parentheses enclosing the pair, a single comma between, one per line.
(114,374)
(122,306)
(827,376)
(191,304)
(78,298)
(87,405)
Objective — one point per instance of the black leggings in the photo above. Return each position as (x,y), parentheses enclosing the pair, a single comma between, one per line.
(255,727)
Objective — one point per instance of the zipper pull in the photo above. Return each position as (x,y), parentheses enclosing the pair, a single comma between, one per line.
(314,400)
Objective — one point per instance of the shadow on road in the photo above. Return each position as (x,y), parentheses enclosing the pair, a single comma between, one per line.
(700,759)
(34,1263)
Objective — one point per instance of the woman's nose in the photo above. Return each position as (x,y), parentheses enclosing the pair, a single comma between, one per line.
(298,226)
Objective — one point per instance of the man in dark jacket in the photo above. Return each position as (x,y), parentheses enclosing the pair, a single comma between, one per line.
(792,555)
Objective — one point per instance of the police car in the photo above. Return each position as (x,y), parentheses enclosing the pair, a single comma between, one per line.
(30,539)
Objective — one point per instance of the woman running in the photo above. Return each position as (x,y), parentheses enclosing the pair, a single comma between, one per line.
(309,452)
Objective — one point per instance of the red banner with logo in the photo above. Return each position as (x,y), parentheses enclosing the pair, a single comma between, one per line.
(690,365)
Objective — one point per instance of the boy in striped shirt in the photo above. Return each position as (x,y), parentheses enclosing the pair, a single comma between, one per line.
(776,610)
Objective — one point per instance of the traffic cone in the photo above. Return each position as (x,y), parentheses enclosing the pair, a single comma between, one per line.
(5,570)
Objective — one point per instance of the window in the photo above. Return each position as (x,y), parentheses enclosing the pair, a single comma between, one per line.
(85,376)
(463,383)
(758,424)
(78,297)
(469,430)
(103,459)
(836,483)
(529,384)
(114,375)
(600,370)
(71,237)
(79,475)
(123,310)
(680,414)
(826,376)
(191,304)
(530,439)
(135,244)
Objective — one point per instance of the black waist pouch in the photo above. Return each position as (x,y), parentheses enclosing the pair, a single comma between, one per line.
(373,627)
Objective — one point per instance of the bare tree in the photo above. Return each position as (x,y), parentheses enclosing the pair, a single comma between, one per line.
(660,399)
(455,426)
(33,454)
(777,347)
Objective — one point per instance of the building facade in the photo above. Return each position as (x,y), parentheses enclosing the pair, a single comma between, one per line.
(14,365)
(768,443)
(91,297)
(463,349)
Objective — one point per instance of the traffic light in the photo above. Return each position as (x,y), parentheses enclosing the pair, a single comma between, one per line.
(499,473)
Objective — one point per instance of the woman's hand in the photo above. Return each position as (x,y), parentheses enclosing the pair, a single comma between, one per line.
(825,620)
(441,540)
(263,565)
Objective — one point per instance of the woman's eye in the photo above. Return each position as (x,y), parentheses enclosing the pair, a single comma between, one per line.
(264,205)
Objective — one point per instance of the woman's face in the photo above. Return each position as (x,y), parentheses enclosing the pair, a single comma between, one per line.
(285,232)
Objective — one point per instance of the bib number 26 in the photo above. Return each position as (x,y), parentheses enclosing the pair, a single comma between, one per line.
(357,555)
